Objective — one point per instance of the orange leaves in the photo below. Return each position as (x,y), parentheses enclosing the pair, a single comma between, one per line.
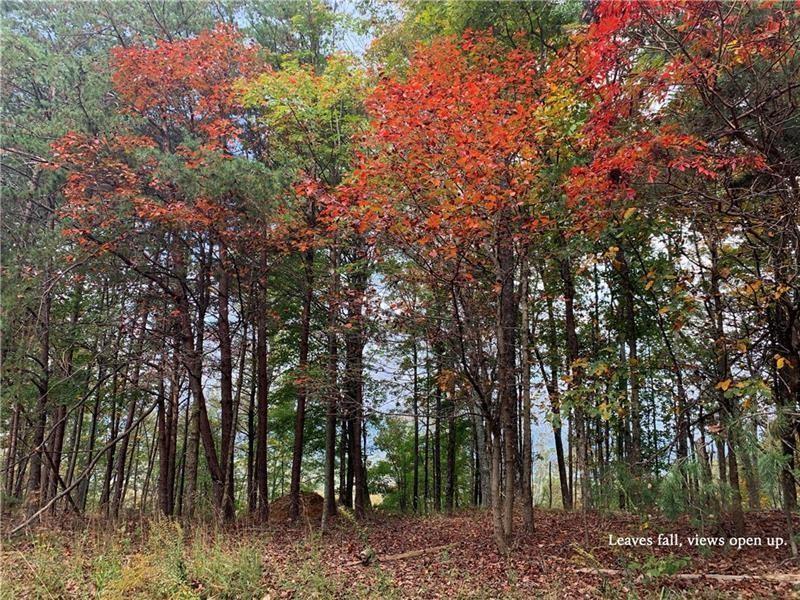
(629,88)
(449,146)
(188,82)
(156,182)
(434,221)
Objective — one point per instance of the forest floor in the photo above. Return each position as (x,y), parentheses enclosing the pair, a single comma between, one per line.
(159,559)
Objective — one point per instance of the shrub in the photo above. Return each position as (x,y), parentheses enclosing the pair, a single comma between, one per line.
(220,571)
(157,572)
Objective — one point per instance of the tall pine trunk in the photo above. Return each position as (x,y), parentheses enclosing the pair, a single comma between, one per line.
(525,372)
(302,386)
(329,506)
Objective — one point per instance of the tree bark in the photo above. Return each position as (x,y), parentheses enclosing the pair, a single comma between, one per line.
(329,506)
(573,352)
(450,490)
(506,367)
(43,388)
(525,372)
(227,422)
(302,386)
(262,402)
(415,409)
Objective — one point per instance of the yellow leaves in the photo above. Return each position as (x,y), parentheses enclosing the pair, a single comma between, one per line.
(780,291)
(600,369)
(741,345)
(723,385)
(663,310)
(604,410)
(780,361)
(611,252)
(750,289)
(651,280)
(447,380)
(756,285)
(629,212)
(732,45)
(579,363)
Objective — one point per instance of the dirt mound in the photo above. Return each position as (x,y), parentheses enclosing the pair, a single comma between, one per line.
(310,507)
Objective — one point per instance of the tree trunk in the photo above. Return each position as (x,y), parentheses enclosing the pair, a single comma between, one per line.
(573,352)
(415,409)
(105,495)
(302,386)
(252,494)
(262,402)
(11,455)
(498,521)
(227,422)
(555,406)
(506,369)
(354,377)
(345,462)
(353,392)
(728,409)
(40,420)
(329,506)
(450,490)
(525,371)
(786,336)
(122,454)
(631,339)
(437,434)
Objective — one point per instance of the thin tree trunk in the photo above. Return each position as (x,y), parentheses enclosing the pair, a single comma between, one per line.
(631,339)
(555,406)
(345,492)
(302,387)
(329,506)
(500,533)
(525,371)
(506,369)
(727,405)
(43,387)
(227,420)
(122,454)
(415,408)
(573,352)
(437,434)
(450,490)
(11,456)
(262,403)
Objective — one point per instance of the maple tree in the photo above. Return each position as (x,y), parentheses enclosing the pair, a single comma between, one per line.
(447,177)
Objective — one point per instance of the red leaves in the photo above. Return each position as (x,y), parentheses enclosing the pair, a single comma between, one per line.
(633,75)
(124,185)
(449,145)
(188,82)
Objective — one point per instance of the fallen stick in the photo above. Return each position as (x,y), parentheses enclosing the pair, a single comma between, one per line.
(777,577)
(401,556)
